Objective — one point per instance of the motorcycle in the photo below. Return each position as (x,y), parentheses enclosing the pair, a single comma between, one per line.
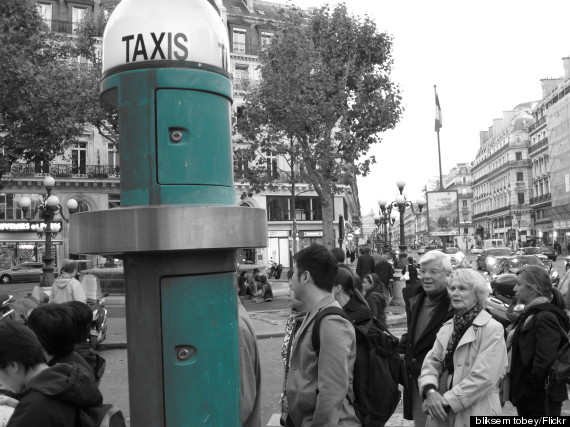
(275,270)
(502,303)
(96,301)
(17,310)
(6,310)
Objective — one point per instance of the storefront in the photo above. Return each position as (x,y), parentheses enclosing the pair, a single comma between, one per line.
(309,237)
(19,242)
(279,247)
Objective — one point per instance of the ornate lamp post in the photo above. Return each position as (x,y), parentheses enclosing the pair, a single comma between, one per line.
(400,204)
(47,210)
(385,218)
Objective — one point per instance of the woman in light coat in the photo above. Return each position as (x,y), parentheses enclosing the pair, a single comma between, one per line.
(460,374)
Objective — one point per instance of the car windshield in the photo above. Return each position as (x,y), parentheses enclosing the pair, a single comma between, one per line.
(451,250)
(545,249)
(530,251)
(527,260)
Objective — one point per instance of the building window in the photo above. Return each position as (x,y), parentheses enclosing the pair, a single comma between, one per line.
(238,41)
(271,163)
(464,203)
(45,11)
(79,158)
(112,155)
(521,198)
(518,155)
(241,163)
(306,208)
(114,201)
(265,39)
(10,209)
(77,15)
(520,176)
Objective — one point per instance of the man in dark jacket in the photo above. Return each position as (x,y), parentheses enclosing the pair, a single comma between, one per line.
(365,264)
(52,396)
(430,308)
(385,272)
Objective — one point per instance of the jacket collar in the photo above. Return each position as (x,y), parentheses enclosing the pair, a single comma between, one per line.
(470,334)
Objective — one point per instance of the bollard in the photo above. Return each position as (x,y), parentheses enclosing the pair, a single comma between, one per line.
(165,67)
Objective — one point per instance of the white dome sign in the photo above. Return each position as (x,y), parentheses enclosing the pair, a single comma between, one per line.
(142,31)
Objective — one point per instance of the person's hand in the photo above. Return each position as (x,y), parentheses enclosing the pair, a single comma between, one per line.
(436,405)
(8,401)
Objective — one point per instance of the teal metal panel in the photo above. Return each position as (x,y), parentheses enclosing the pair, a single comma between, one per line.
(200,312)
(203,155)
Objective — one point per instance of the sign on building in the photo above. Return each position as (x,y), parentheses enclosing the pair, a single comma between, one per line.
(443,213)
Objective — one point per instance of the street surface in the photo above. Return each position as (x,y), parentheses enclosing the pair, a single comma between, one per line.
(114,384)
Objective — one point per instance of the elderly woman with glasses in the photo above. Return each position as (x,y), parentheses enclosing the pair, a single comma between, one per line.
(460,374)
(536,337)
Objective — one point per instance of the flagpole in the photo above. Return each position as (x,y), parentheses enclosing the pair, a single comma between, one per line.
(437,127)
(438,149)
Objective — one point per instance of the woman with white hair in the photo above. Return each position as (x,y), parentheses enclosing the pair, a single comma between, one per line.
(460,374)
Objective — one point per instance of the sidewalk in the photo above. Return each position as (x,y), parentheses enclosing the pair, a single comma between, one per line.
(266,323)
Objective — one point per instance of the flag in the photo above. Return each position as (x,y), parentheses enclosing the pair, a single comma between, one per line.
(438,124)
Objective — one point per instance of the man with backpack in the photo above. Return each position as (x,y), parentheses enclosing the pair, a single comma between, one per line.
(319,387)
(50,396)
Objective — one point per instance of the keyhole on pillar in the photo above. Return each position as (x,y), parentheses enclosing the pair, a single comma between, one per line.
(185,353)
(176,135)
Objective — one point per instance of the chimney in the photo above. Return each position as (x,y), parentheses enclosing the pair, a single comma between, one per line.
(483,136)
(566,62)
(548,85)
(497,126)
(508,116)
(249,5)
(490,132)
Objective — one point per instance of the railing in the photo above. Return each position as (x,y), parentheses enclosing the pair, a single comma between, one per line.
(541,199)
(245,48)
(511,163)
(538,145)
(300,215)
(66,171)
(57,26)
(537,124)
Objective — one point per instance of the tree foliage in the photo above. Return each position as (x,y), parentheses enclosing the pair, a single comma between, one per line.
(326,94)
(47,96)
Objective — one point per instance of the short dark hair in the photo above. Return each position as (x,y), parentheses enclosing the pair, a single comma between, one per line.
(19,344)
(69,267)
(261,278)
(83,317)
(338,253)
(317,260)
(290,273)
(55,328)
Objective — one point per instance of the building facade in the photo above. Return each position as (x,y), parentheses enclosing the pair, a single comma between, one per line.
(502,179)
(460,179)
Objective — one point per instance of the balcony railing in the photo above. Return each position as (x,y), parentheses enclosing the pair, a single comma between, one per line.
(537,124)
(541,199)
(66,171)
(245,48)
(57,26)
(538,145)
(300,215)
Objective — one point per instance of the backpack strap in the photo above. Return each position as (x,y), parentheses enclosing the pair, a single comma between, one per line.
(316,334)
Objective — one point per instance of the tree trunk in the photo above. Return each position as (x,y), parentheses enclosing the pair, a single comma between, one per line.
(328,217)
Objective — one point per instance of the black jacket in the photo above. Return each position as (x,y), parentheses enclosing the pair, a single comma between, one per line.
(534,350)
(385,272)
(54,396)
(377,303)
(414,354)
(364,265)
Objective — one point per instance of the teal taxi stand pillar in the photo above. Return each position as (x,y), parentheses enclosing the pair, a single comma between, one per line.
(165,68)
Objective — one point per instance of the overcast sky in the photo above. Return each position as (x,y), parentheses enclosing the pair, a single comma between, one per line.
(486,57)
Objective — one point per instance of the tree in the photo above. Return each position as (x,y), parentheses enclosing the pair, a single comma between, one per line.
(325,93)
(46,94)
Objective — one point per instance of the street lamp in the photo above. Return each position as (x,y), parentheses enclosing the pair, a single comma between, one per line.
(385,217)
(401,204)
(47,210)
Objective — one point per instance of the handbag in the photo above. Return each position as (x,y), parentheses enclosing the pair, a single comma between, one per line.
(406,276)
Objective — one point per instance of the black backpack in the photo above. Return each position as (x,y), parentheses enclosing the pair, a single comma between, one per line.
(105,415)
(376,368)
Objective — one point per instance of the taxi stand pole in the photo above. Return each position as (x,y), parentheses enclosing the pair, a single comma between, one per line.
(178,227)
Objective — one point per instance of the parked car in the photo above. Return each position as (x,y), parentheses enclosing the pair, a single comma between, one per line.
(476,250)
(24,272)
(549,252)
(532,251)
(496,252)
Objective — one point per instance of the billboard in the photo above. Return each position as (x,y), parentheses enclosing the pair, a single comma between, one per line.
(443,213)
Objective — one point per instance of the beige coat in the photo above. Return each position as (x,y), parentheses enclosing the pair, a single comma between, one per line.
(330,374)
(480,361)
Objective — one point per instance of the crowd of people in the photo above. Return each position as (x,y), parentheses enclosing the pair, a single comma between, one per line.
(48,372)
(456,360)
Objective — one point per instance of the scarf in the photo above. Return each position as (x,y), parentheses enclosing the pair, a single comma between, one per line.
(461,322)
